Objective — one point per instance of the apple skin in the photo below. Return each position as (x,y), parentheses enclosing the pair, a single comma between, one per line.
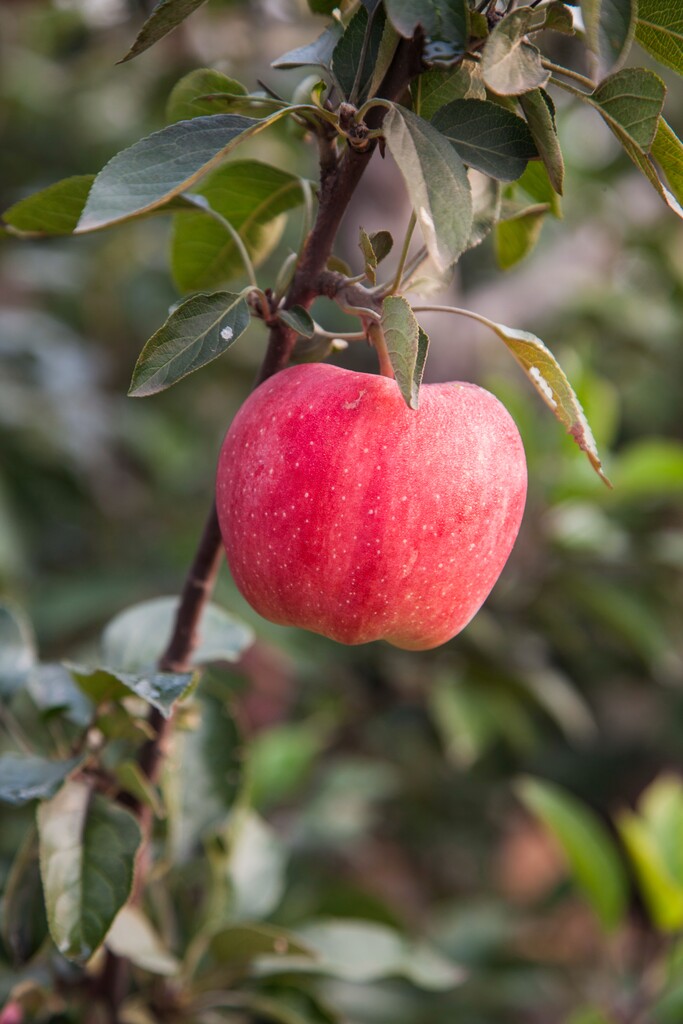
(345,512)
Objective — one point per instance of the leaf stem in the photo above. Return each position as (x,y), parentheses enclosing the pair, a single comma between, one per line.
(404,254)
(568,73)
(239,244)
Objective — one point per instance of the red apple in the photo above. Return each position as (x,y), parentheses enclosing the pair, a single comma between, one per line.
(347,513)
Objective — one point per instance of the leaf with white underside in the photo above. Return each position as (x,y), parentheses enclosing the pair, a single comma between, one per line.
(166,16)
(659,30)
(252,196)
(87,853)
(549,379)
(317,54)
(160,689)
(510,65)
(198,331)
(132,936)
(407,346)
(24,777)
(161,166)
(539,111)
(610,25)
(486,200)
(487,137)
(436,181)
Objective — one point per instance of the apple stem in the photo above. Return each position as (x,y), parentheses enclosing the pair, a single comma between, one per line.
(377,339)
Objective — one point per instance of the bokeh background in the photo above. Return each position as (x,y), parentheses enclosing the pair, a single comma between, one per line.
(387,781)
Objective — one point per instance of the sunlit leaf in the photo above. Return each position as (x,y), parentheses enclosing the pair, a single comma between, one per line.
(487,137)
(631,101)
(659,29)
(54,210)
(516,236)
(588,847)
(187,96)
(87,853)
(315,54)
(510,65)
(663,894)
(436,181)
(198,331)
(166,16)
(434,89)
(667,149)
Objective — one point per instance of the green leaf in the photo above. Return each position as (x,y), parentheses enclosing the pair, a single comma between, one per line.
(133,780)
(487,137)
(24,924)
(135,639)
(17,649)
(159,167)
(382,244)
(207,776)
(347,53)
(548,378)
(166,16)
(659,30)
(539,111)
(255,867)
(197,332)
(363,952)
(407,347)
(536,184)
(251,196)
(375,248)
(52,689)
(516,236)
(186,102)
(87,853)
(434,89)
(486,199)
(436,181)
(661,805)
(662,893)
(241,943)
(650,468)
(439,19)
(667,150)
(133,938)
(160,689)
(588,847)
(299,320)
(54,210)
(631,101)
(610,25)
(317,54)
(511,66)
(24,778)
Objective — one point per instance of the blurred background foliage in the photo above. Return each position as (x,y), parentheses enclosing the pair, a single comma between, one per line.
(386,786)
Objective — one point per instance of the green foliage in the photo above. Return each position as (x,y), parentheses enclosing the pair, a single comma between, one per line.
(487,137)
(659,29)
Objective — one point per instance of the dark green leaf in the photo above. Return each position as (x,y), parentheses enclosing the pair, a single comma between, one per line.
(667,150)
(160,689)
(436,181)
(434,89)
(510,65)
(87,853)
(487,137)
(24,924)
(348,51)
(407,346)
(631,101)
(166,16)
(152,171)
(24,778)
(17,649)
(132,937)
(185,101)
(207,777)
(540,113)
(54,210)
(317,54)
(440,19)
(135,639)
(659,29)
(610,25)
(251,196)
(133,780)
(592,855)
(516,236)
(299,319)
(382,244)
(198,331)
(322,6)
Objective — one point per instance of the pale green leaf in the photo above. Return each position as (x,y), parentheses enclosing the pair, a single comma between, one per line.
(536,184)
(186,99)
(540,114)
(54,210)
(486,199)
(659,30)
(436,181)
(135,639)
(87,854)
(255,867)
(133,938)
(487,137)
(662,893)
(159,167)
(160,689)
(406,345)
(239,944)
(516,237)
(375,248)
(610,25)
(510,65)
(166,16)
(588,847)
(24,777)
(667,150)
(661,806)
(198,331)
(133,780)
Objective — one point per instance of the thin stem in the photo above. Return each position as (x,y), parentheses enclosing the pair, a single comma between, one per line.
(566,87)
(377,339)
(404,254)
(239,244)
(374,101)
(324,335)
(568,73)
